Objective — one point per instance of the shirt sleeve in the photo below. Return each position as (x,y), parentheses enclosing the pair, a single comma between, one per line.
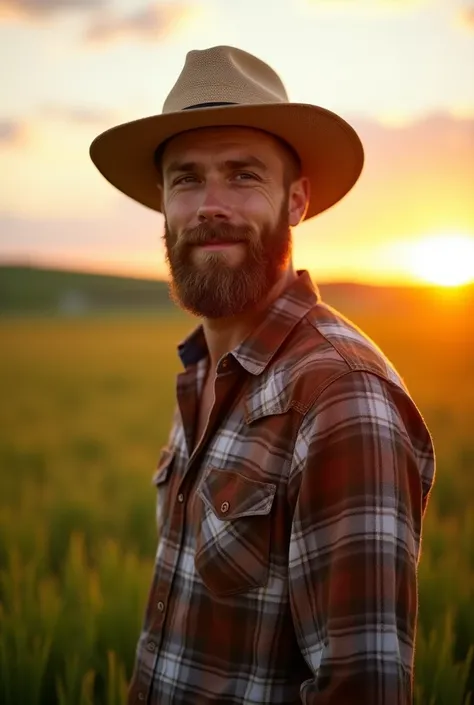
(363,465)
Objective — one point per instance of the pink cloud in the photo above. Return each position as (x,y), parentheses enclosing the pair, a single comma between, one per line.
(79,115)
(466,17)
(13,133)
(149,23)
(36,9)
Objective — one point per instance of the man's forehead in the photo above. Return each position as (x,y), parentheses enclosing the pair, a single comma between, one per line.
(208,139)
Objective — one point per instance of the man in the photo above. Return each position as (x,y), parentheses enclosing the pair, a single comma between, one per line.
(292,491)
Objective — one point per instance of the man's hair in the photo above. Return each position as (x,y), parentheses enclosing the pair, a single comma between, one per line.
(291,160)
(291,163)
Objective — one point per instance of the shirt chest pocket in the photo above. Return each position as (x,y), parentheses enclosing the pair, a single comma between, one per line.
(234,530)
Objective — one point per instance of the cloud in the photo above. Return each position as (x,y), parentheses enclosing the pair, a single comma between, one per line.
(79,115)
(19,133)
(13,133)
(466,18)
(416,177)
(131,235)
(149,23)
(37,9)
(438,137)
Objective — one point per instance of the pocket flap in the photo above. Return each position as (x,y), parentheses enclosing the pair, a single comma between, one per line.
(164,465)
(231,495)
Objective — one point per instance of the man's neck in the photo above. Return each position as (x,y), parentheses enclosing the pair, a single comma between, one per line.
(224,334)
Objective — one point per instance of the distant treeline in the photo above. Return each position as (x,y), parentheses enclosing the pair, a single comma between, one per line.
(38,290)
(30,289)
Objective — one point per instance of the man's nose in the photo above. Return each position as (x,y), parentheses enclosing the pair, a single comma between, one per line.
(213,206)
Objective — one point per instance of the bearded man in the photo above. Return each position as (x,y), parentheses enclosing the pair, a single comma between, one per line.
(293,487)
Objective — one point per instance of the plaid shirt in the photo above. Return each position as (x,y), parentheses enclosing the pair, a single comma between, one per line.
(286,568)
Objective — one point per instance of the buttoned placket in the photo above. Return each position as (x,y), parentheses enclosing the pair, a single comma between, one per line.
(224,394)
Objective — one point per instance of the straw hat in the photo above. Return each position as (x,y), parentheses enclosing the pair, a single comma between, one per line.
(227,86)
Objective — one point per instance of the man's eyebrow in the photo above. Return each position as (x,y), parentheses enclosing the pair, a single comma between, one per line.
(181,166)
(245,162)
(242,163)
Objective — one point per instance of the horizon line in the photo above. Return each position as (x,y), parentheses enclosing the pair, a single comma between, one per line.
(27,263)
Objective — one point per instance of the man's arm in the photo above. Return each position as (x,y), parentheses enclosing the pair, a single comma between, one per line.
(362,468)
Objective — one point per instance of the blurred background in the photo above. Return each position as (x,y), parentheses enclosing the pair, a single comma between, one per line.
(88,334)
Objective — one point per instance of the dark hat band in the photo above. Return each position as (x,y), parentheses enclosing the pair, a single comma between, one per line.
(207,105)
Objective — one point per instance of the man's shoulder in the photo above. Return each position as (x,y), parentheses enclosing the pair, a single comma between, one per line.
(324,346)
(332,332)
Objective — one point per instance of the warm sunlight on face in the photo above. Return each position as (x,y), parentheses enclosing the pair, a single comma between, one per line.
(445,260)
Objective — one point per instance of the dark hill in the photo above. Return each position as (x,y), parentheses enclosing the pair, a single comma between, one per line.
(26,289)
(31,289)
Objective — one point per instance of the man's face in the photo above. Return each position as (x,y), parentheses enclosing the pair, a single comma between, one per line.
(227,224)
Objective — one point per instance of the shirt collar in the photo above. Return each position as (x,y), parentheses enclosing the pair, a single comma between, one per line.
(256,351)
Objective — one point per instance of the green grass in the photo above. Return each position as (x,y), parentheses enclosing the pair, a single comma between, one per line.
(86,406)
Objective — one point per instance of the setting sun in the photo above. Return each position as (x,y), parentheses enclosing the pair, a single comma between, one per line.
(445,260)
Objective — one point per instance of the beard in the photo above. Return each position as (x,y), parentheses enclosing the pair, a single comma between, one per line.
(214,288)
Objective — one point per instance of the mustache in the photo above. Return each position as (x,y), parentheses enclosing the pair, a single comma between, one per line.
(206,234)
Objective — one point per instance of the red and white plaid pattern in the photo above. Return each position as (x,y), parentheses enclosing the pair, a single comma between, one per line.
(286,569)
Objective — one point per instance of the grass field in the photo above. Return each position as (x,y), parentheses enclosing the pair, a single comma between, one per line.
(86,405)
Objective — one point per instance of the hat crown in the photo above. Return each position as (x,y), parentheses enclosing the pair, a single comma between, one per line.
(224,74)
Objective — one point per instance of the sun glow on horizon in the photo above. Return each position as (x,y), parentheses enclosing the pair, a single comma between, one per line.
(443,260)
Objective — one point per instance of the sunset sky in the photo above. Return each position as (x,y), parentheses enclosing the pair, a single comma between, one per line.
(400,71)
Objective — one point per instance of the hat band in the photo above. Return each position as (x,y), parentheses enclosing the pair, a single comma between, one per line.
(207,105)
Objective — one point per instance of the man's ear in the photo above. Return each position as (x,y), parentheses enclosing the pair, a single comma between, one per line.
(298,201)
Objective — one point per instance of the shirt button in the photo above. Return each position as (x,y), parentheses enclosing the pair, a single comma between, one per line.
(225,363)
(161,606)
(225,507)
(181,497)
(151,646)
(141,696)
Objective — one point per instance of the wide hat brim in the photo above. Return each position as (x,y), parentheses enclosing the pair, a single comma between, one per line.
(330,150)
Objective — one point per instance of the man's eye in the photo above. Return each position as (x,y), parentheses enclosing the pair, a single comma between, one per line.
(245,176)
(187,179)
